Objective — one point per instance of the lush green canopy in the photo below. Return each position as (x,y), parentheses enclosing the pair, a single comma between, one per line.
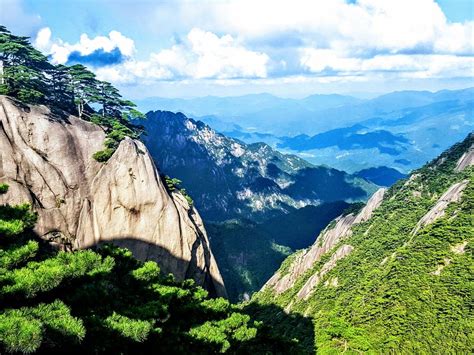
(26,74)
(107,301)
(398,291)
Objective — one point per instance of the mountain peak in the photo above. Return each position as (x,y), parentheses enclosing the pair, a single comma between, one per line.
(47,161)
(228,169)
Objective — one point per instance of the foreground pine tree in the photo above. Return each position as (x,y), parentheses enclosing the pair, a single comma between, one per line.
(107,301)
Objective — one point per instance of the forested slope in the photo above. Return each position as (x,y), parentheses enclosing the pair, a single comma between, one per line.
(106,301)
(397,277)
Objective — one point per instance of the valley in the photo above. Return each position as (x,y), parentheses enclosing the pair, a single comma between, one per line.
(291,178)
(401,130)
(244,192)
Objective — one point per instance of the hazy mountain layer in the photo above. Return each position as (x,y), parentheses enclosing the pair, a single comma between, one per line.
(265,113)
(403,136)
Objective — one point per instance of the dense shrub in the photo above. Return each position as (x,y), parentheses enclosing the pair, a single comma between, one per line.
(106,301)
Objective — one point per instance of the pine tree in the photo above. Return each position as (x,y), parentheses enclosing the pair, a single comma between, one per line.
(27,75)
(84,86)
(27,320)
(106,301)
(22,68)
(60,87)
(110,100)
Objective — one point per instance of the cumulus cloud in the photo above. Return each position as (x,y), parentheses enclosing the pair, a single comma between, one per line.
(339,37)
(97,51)
(362,38)
(283,40)
(201,55)
(382,25)
(43,39)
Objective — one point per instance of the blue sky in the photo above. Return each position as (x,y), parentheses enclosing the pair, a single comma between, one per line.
(232,47)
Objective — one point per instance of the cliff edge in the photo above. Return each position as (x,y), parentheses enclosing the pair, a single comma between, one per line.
(46,159)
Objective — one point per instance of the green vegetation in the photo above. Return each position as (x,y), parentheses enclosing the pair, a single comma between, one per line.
(245,254)
(27,75)
(248,253)
(173,184)
(106,301)
(249,196)
(398,292)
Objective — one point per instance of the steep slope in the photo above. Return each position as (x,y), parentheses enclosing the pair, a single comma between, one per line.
(243,190)
(248,253)
(228,178)
(46,159)
(397,276)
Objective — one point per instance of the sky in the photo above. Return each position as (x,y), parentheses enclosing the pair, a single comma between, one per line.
(290,48)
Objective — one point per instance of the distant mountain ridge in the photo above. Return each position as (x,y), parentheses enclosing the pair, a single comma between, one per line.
(228,178)
(237,106)
(381,175)
(402,130)
(396,130)
(357,136)
(314,114)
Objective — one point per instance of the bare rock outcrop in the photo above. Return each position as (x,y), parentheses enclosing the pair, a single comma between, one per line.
(452,195)
(46,159)
(459,248)
(325,242)
(467,159)
(315,279)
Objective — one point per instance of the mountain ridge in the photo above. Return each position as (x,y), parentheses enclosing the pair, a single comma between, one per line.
(244,190)
(247,179)
(397,281)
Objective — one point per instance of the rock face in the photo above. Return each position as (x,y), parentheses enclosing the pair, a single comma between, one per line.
(467,159)
(325,242)
(46,159)
(314,280)
(452,195)
(400,279)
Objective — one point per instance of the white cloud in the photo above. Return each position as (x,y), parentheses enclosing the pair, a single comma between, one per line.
(384,25)
(416,65)
(60,50)
(43,39)
(320,60)
(335,38)
(456,38)
(236,40)
(202,55)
